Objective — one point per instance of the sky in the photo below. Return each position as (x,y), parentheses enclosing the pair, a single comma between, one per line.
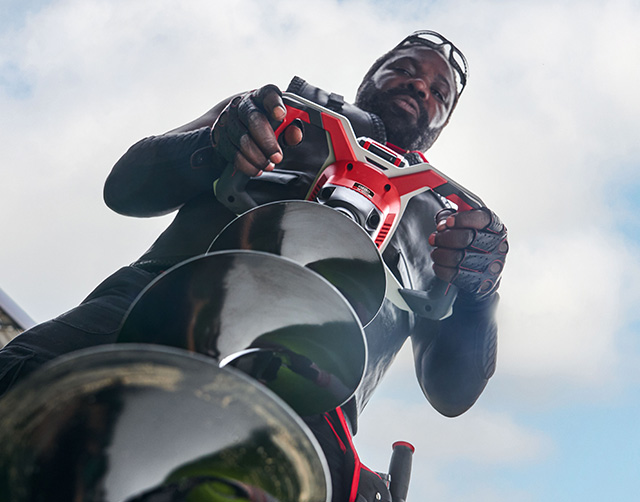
(546,133)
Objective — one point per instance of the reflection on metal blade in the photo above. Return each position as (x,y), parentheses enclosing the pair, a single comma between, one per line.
(153,424)
(276,320)
(320,238)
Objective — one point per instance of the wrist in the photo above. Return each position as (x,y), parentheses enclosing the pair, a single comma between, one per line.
(473,302)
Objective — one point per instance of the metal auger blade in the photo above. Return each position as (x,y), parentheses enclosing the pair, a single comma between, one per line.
(319,238)
(278,321)
(143,423)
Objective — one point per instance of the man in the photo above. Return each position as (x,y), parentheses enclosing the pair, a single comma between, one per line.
(405,100)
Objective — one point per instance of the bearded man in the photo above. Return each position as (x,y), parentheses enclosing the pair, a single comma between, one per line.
(404,101)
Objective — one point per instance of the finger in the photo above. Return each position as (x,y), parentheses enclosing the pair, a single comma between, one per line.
(447,257)
(294,133)
(254,155)
(445,273)
(264,137)
(458,238)
(270,98)
(442,216)
(231,138)
(475,218)
(260,129)
(241,164)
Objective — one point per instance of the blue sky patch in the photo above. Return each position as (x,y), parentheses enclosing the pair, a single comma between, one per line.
(14,82)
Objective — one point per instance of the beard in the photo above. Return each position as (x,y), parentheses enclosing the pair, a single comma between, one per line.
(401,131)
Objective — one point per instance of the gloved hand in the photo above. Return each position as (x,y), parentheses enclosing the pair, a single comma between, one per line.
(470,250)
(243,135)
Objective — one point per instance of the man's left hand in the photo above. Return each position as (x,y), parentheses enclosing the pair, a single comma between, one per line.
(470,249)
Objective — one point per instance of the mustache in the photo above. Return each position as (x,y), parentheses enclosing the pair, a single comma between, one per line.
(412,93)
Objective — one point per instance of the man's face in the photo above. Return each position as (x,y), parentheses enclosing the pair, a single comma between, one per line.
(413,93)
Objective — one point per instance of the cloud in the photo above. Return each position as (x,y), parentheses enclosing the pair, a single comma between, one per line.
(479,441)
(563,304)
(479,434)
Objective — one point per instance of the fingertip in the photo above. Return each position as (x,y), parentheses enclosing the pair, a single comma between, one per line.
(276,158)
(279,112)
(293,135)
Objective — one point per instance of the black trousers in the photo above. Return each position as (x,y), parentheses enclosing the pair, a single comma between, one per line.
(95,321)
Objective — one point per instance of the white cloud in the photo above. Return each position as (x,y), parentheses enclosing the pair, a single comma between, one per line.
(479,434)
(480,440)
(564,302)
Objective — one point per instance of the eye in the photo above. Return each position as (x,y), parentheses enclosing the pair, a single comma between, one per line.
(402,71)
(439,95)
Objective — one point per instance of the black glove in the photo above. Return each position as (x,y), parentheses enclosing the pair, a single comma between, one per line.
(238,120)
(480,268)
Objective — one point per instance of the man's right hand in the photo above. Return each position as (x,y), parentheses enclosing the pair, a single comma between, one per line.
(243,135)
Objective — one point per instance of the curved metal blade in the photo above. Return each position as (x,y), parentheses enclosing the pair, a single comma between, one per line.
(278,321)
(320,238)
(125,424)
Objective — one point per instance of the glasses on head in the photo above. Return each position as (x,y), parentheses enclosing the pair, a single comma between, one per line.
(437,42)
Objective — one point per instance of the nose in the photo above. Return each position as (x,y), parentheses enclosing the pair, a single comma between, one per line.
(419,86)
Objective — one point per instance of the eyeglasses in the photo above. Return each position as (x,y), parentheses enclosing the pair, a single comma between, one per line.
(435,41)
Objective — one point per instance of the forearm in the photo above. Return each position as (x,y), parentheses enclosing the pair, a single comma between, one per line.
(160,173)
(456,357)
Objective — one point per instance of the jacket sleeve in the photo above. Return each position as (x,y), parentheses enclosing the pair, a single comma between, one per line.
(158,174)
(455,357)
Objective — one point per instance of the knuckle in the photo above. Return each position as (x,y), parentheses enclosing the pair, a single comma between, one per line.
(458,257)
(243,165)
(443,214)
(494,224)
(496,267)
(469,236)
(268,90)
(255,119)
(247,109)
(245,142)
